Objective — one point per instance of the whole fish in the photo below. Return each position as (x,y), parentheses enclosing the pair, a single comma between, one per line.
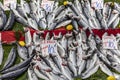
(55,5)
(104,23)
(19,18)
(105,69)
(18,66)
(92,71)
(14,74)
(60,50)
(64,23)
(81,22)
(3,15)
(25,6)
(73,8)
(106,9)
(54,66)
(113,17)
(31,74)
(2,18)
(115,23)
(42,24)
(20,10)
(22,52)
(99,15)
(72,67)
(66,71)
(63,43)
(78,5)
(36,38)
(28,37)
(39,73)
(10,21)
(58,10)
(91,64)
(72,55)
(75,24)
(10,60)
(1,50)
(32,23)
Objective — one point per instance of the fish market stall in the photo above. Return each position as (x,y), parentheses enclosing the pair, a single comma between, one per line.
(74,41)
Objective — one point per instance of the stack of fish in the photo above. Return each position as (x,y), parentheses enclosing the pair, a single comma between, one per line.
(78,13)
(75,56)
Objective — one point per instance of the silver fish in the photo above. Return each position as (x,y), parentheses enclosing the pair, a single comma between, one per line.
(39,74)
(81,22)
(81,67)
(25,6)
(113,17)
(10,60)
(73,8)
(64,23)
(91,64)
(66,71)
(104,23)
(42,24)
(15,73)
(63,43)
(58,10)
(19,18)
(36,38)
(1,51)
(106,9)
(33,6)
(105,69)
(22,52)
(18,66)
(72,55)
(60,50)
(115,23)
(33,24)
(78,5)
(2,19)
(75,24)
(10,21)
(31,74)
(99,15)
(28,37)
(92,71)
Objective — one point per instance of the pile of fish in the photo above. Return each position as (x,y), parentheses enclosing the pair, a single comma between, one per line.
(77,55)
(78,13)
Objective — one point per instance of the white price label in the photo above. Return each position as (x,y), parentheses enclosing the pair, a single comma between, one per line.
(8,3)
(48,47)
(109,42)
(97,4)
(47,5)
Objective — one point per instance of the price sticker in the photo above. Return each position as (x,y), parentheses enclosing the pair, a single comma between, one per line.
(48,47)
(109,42)
(47,5)
(97,4)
